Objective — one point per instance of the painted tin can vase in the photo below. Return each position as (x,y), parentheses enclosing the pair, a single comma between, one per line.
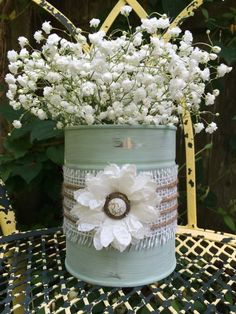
(89,149)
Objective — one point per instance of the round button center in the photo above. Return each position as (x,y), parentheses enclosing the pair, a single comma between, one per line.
(117,205)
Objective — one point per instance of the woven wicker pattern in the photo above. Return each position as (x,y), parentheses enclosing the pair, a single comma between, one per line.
(32,265)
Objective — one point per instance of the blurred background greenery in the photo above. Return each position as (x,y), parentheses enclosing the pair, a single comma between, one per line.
(31,158)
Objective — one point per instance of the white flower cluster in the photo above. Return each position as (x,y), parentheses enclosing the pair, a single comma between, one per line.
(133,79)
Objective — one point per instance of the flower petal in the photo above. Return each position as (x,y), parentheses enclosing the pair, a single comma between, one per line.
(112,170)
(136,228)
(106,236)
(85,227)
(95,204)
(144,212)
(143,188)
(96,241)
(98,186)
(83,197)
(88,216)
(122,237)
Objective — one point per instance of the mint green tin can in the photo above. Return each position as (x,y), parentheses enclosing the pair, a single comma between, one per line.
(89,149)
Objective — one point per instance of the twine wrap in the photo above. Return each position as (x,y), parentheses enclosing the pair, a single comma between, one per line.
(161,230)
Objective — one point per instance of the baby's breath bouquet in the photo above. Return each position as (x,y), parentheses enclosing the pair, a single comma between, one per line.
(127,78)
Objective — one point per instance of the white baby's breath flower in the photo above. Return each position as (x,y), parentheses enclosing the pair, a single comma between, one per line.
(198,127)
(150,25)
(88,88)
(163,22)
(12,55)
(216,92)
(10,95)
(213,56)
(41,114)
(13,67)
(15,105)
(107,77)
(174,31)
(125,10)
(96,38)
(17,124)
(24,53)
(188,37)
(205,74)
(13,88)
(212,127)
(53,77)
(216,49)
(222,69)
(38,36)
(89,118)
(10,79)
(125,80)
(94,22)
(53,39)
(23,41)
(134,205)
(59,125)
(47,91)
(47,27)
(209,99)
(137,41)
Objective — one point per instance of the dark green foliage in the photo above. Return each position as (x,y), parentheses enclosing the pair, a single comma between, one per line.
(32,162)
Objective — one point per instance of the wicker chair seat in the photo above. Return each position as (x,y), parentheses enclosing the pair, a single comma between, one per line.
(34,278)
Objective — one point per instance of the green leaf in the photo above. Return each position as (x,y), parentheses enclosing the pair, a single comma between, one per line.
(28,172)
(9,113)
(221,211)
(230,222)
(228,53)
(44,130)
(234,118)
(17,133)
(205,13)
(5,172)
(5,158)
(228,15)
(17,147)
(56,154)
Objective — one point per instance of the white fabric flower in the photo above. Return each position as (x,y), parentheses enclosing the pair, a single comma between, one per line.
(103,206)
